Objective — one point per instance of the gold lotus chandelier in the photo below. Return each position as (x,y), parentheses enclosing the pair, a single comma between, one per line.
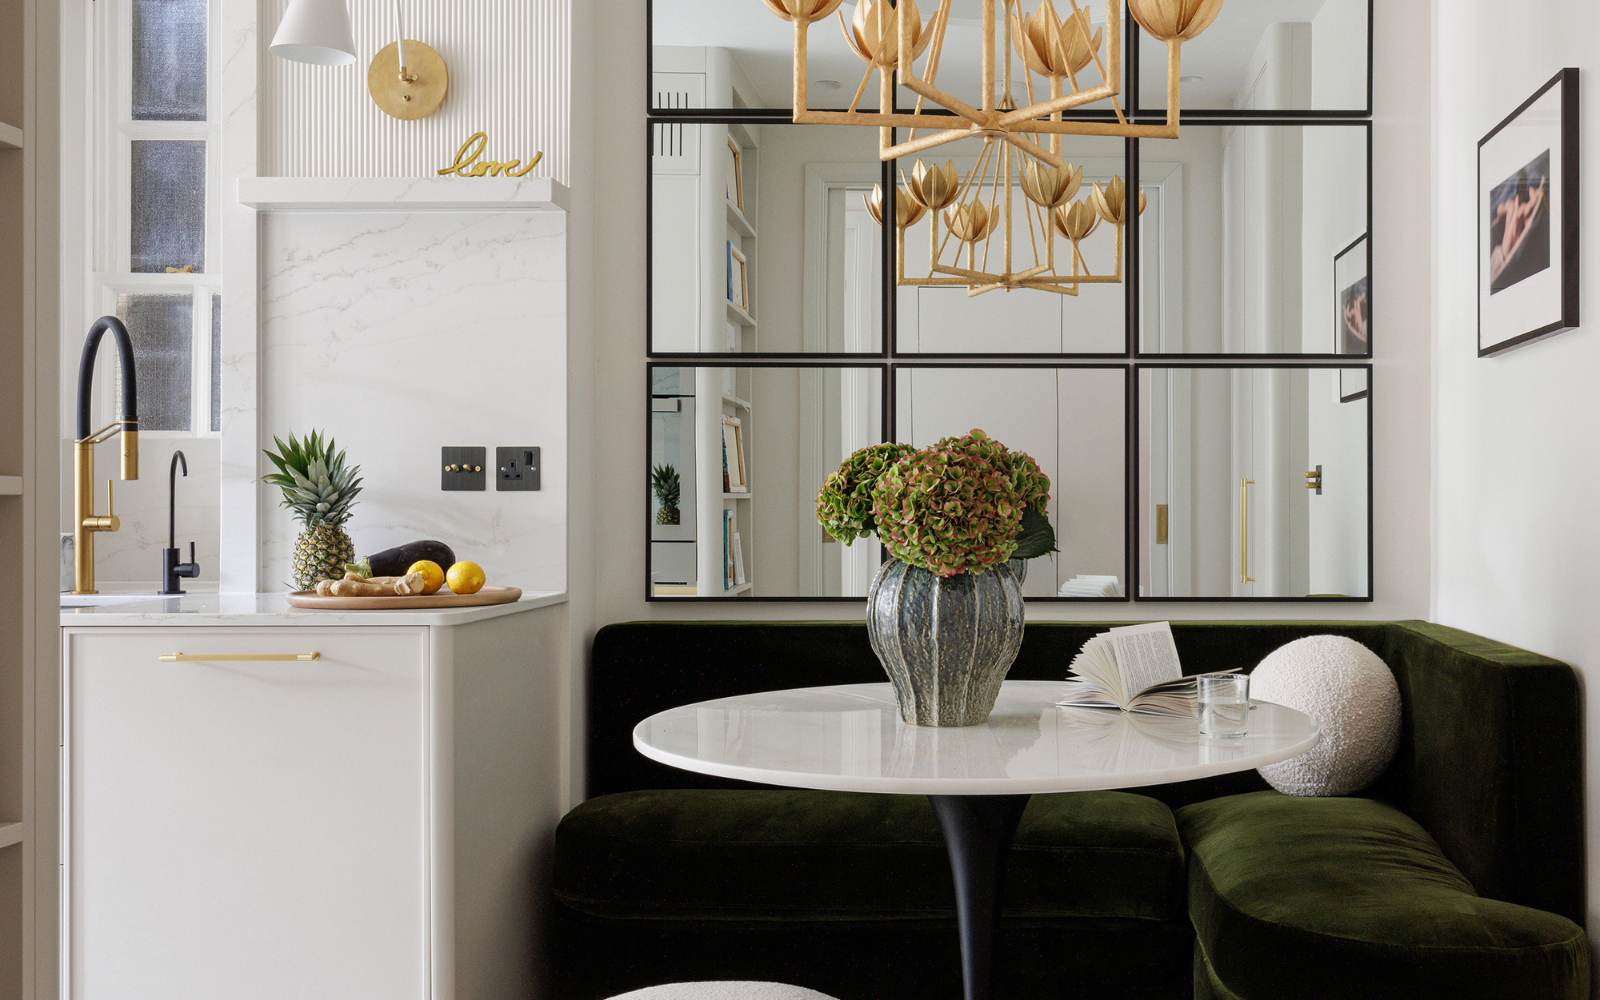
(1019,144)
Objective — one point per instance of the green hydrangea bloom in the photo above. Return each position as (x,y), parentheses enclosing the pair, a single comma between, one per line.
(1030,482)
(951,508)
(844,504)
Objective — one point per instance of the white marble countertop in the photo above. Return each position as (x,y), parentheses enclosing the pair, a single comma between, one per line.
(252,610)
(850,739)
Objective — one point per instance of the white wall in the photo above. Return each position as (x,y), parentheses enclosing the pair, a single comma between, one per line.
(1514,553)
(1403,380)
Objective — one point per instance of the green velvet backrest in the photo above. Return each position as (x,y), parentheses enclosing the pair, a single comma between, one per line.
(1490,760)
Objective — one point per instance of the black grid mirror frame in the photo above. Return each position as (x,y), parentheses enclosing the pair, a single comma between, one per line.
(889,359)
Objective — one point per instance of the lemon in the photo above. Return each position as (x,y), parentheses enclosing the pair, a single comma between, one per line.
(465,578)
(432,575)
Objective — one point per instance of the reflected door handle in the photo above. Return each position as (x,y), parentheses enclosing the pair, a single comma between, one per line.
(240,657)
(1244,531)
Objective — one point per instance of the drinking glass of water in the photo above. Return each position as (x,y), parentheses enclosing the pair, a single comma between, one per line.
(1224,705)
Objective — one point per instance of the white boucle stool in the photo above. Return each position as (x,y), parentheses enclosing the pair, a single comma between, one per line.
(724,991)
(1351,694)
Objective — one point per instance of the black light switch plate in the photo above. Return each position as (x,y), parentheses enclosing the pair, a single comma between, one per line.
(463,468)
(516,468)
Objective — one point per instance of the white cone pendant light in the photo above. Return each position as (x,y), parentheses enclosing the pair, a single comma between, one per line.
(317,32)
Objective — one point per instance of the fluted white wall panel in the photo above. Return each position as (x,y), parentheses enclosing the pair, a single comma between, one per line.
(508,62)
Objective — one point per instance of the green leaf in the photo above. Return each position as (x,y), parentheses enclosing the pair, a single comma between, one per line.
(1037,538)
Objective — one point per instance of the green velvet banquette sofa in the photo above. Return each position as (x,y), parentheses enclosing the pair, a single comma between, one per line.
(1458,875)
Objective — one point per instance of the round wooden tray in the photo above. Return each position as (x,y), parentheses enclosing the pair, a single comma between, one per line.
(443,599)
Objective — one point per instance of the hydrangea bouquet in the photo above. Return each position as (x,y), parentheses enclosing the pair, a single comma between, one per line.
(963,505)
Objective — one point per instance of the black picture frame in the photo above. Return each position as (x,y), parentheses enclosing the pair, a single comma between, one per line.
(1352,292)
(1539,268)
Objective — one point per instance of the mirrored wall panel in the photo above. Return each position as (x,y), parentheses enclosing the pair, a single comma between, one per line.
(1087,318)
(762,240)
(1072,421)
(737,456)
(1253,483)
(739,54)
(1251,239)
(1268,55)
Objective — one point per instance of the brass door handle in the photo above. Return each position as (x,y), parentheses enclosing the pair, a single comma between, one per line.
(1244,531)
(240,657)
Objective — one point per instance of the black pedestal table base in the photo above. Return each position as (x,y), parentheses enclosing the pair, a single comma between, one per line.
(977,833)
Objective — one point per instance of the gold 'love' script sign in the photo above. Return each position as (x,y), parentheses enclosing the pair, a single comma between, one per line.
(467,163)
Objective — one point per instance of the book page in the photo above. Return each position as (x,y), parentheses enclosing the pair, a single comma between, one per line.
(1096,663)
(1146,655)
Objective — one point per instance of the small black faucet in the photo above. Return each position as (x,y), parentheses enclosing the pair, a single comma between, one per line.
(171,569)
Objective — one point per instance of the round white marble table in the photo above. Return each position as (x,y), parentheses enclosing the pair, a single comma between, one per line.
(850,738)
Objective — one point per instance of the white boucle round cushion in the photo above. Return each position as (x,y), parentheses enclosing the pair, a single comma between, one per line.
(724,991)
(1351,694)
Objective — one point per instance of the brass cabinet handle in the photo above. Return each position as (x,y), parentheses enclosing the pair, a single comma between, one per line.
(240,657)
(1244,531)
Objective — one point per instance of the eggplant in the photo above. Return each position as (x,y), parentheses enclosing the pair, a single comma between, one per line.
(395,561)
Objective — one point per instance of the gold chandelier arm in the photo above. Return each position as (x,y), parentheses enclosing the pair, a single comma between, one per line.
(925,143)
(1032,240)
(800,28)
(873,119)
(917,85)
(1035,150)
(905,55)
(1066,103)
(988,58)
(862,89)
(1174,75)
(963,272)
(1058,289)
(885,103)
(939,24)
(1120,131)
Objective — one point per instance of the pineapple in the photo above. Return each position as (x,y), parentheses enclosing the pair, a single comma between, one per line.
(664,483)
(320,489)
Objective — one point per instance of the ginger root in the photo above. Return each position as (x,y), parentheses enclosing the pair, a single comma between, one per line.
(354,585)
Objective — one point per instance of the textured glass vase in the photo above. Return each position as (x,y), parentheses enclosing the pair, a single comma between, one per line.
(946,642)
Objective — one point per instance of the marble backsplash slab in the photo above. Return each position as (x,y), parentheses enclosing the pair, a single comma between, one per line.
(399,334)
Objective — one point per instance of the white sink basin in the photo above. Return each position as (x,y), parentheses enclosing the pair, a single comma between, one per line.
(100,600)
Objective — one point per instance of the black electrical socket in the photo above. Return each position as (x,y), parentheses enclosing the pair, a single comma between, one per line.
(463,468)
(516,468)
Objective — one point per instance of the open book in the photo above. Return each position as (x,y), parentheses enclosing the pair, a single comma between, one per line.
(1134,668)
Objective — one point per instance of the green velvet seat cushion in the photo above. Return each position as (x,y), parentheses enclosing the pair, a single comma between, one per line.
(725,854)
(1345,897)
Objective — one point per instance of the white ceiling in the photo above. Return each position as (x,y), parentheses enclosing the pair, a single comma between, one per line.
(762,43)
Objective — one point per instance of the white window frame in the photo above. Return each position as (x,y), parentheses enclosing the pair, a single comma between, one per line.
(111,132)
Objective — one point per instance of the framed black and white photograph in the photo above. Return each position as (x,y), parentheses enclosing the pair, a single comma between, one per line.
(1528,220)
(1352,316)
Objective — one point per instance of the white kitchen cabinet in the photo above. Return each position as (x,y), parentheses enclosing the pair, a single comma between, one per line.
(373,823)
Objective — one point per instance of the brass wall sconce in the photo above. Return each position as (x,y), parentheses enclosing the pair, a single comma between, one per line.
(407,78)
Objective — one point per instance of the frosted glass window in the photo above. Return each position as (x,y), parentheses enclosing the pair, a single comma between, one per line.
(168,205)
(169,60)
(216,362)
(162,328)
